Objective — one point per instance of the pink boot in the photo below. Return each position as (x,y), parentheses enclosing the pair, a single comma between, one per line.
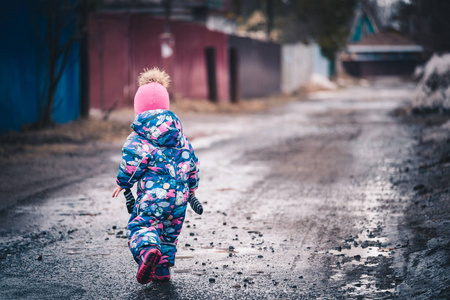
(148,261)
(162,274)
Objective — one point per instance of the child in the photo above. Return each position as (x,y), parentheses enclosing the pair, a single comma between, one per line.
(159,157)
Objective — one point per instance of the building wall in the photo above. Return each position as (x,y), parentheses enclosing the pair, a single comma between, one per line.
(259,67)
(297,66)
(122,45)
(142,46)
(380,68)
(108,61)
(321,65)
(23,69)
(299,62)
(190,79)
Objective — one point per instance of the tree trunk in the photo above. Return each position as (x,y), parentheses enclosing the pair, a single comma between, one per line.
(58,19)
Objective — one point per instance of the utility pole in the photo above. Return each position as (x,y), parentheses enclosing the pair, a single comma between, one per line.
(269,10)
(84,58)
(167,13)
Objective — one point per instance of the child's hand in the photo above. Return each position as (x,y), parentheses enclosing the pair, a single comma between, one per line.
(117,191)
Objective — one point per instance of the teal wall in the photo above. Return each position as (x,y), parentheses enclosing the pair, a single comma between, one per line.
(23,68)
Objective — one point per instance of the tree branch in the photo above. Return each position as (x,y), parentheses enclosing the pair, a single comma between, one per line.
(64,62)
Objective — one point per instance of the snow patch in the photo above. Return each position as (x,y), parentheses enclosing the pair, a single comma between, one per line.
(433,90)
(318,82)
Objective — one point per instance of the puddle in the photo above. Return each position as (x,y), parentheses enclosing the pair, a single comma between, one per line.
(210,250)
(382,240)
(366,285)
(360,253)
(370,247)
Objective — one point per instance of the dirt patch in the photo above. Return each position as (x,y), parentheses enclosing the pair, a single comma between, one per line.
(426,225)
(35,161)
(245,106)
(61,139)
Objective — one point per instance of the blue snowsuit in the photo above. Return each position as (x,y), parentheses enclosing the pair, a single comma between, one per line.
(159,157)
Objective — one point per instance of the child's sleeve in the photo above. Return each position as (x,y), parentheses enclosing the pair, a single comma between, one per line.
(194,173)
(135,158)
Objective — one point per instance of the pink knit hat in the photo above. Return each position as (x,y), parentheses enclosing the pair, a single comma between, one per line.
(152,92)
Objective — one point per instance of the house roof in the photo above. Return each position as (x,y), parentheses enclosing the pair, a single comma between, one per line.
(389,37)
(365,21)
(388,40)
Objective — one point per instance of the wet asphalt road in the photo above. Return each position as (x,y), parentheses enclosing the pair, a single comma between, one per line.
(299,203)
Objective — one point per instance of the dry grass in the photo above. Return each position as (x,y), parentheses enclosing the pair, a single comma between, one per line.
(245,106)
(68,138)
(79,135)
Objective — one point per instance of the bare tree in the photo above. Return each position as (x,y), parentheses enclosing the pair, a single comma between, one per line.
(426,22)
(62,30)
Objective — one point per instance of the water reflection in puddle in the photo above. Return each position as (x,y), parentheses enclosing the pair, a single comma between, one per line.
(360,253)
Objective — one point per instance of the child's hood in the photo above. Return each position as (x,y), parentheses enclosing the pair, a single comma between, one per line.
(160,127)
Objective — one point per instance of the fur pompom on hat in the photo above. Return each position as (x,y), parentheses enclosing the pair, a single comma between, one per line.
(152,92)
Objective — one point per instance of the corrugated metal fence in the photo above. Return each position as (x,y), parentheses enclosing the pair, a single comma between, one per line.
(258,66)
(299,62)
(121,45)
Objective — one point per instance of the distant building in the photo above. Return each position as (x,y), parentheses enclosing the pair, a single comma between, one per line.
(191,40)
(374,50)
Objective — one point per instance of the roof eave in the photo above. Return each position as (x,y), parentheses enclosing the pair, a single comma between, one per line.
(384,48)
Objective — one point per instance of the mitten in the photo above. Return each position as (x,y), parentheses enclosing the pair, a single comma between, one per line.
(130,200)
(195,204)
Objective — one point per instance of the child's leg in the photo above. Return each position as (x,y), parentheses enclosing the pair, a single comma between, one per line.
(169,239)
(143,232)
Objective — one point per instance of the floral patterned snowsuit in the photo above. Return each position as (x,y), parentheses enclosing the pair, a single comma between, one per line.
(161,159)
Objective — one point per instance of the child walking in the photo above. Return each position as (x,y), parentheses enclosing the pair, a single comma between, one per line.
(159,157)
